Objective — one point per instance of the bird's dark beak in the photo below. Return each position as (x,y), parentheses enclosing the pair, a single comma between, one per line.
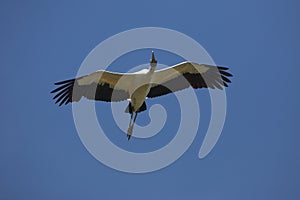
(153,58)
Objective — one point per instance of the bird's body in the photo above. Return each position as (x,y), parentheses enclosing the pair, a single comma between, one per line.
(111,87)
(139,89)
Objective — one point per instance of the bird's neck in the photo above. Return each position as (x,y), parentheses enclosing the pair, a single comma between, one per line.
(152,69)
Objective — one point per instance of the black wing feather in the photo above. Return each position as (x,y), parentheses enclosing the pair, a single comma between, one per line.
(69,91)
(215,77)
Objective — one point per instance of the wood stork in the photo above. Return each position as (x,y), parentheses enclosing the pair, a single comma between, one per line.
(136,87)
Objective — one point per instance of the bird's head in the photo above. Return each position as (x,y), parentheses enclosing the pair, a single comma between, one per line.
(153,62)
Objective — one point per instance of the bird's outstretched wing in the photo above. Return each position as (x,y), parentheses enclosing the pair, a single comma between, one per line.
(100,85)
(186,74)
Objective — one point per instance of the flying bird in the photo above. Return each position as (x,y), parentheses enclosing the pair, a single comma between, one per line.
(136,87)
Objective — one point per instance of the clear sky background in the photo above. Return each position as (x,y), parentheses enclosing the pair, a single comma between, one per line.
(258,154)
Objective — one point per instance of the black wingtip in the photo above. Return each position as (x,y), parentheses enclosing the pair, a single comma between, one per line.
(223,71)
(65,81)
(223,68)
(225,75)
(64,92)
(226,79)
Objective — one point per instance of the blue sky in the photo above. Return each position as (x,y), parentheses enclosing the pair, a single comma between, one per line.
(258,154)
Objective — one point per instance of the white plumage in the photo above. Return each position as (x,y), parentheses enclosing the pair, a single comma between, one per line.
(111,86)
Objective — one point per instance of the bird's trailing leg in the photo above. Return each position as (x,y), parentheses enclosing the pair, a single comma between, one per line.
(130,128)
(131,124)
